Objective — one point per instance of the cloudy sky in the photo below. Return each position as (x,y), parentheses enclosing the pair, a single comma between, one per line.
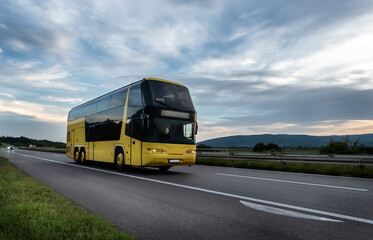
(252,67)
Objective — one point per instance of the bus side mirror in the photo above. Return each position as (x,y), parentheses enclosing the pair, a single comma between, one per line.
(196,128)
(144,116)
(145,120)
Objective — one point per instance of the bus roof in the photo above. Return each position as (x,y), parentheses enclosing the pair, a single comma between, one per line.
(144,79)
(163,80)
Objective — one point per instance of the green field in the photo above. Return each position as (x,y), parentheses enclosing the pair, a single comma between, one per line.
(306,151)
(30,210)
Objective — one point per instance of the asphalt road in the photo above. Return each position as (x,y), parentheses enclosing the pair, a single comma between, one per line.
(203,202)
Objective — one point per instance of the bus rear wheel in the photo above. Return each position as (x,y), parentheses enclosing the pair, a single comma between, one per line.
(119,160)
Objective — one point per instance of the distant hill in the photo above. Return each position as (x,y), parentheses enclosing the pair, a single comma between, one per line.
(284,140)
(24,141)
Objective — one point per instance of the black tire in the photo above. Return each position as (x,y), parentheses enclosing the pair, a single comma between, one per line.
(164,168)
(82,157)
(77,156)
(119,159)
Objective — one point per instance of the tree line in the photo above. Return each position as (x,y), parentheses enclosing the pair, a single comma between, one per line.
(24,141)
(344,146)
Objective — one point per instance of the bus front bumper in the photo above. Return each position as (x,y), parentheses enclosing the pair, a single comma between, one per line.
(158,160)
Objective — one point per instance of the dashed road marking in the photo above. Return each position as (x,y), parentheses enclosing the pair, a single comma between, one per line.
(293,182)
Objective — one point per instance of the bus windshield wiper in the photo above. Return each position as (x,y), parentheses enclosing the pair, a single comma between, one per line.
(165,104)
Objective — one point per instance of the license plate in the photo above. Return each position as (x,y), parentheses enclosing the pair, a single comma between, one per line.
(173,160)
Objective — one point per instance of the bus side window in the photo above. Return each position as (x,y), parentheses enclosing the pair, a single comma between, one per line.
(72,114)
(132,111)
(134,108)
(90,108)
(135,98)
(118,98)
(103,103)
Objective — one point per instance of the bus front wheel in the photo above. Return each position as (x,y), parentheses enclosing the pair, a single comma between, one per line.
(82,156)
(77,155)
(119,159)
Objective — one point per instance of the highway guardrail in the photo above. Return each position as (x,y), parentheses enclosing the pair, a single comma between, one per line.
(359,160)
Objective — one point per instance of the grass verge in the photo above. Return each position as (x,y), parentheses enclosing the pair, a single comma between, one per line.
(30,210)
(336,170)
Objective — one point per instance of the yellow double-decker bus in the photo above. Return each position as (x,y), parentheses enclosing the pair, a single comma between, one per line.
(148,123)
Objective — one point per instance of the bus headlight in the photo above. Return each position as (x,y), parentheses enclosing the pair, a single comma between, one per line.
(155,150)
(191,151)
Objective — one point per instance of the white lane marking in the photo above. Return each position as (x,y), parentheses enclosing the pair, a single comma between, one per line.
(330,214)
(303,183)
(284,212)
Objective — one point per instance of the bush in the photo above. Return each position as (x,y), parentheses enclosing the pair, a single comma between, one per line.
(273,147)
(261,147)
(345,146)
(366,150)
(336,147)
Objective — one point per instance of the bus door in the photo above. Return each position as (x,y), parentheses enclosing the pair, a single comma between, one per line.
(90,151)
(136,144)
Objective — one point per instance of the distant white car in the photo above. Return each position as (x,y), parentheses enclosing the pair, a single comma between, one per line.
(11,148)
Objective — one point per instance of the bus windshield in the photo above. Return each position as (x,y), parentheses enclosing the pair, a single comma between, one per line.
(170,131)
(170,95)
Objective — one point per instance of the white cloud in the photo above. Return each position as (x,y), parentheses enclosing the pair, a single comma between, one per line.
(19,65)
(338,127)
(63,13)
(139,35)
(329,56)
(63,100)
(299,55)
(29,75)
(171,39)
(237,35)
(339,60)
(223,66)
(45,77)
(19,46)
(8,95)
(39,112)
